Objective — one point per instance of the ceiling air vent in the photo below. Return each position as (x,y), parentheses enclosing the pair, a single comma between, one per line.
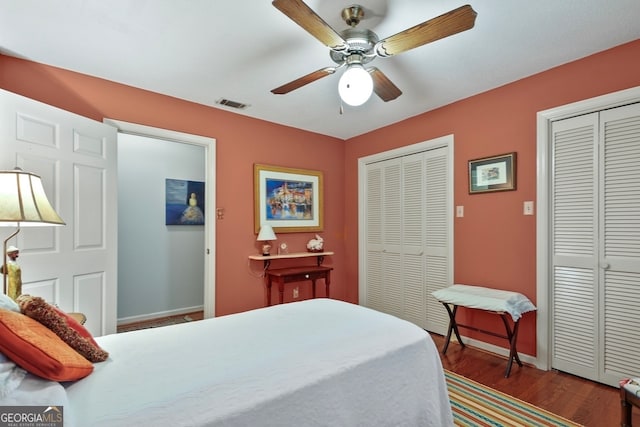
(232,104)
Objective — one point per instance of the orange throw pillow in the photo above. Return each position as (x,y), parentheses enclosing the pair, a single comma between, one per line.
(35,348)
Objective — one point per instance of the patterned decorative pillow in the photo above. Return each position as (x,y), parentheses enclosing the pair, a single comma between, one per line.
(35,348)
(63,325)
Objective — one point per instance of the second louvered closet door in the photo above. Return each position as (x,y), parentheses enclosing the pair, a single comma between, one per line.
(595,275)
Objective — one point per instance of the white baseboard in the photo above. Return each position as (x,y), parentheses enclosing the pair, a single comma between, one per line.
(501,351)
(149,316)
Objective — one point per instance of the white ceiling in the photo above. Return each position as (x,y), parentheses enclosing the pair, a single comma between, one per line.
(205,50)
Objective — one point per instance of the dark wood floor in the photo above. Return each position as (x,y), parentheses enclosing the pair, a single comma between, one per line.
(198,315)
(577,399)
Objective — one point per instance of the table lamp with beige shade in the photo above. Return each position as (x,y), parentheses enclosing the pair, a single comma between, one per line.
(23,203)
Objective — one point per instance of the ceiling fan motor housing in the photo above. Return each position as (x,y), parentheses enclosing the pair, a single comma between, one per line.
(359,41)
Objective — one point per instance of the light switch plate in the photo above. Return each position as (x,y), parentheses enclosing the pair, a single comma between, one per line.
(528,207)
(459,211)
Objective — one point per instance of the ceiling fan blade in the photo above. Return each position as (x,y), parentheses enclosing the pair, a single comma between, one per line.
(304,80)
(448,24)
(304,16)
(382,86)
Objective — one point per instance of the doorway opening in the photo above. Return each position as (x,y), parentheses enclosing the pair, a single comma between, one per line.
(201,151)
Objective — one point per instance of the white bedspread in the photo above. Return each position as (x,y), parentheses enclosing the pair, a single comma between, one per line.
(489,299)
(319,362)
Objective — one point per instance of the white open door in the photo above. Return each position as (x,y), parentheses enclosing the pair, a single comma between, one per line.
(74,266)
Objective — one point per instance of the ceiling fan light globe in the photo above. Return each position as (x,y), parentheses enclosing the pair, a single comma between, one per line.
(355,86)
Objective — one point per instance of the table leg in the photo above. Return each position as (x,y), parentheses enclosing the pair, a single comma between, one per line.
(453,327)
(268,291)
(327,282)
(281,290)
(512,336)
(625,409)
(313,288)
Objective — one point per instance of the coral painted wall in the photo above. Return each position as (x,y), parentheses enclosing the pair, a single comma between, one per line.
(240,142)
(495,244)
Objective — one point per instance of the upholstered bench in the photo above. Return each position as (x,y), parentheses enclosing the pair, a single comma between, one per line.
(495,301)
(629,396)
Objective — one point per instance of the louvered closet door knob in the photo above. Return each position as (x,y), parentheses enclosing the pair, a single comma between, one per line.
(604,265)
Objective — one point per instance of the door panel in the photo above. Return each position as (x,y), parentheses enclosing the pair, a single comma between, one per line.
(73,266)
(413,237)
(408,212)
(596,244)
(619,264)
(374,275)
(438,235)
(574,297)
(392,235)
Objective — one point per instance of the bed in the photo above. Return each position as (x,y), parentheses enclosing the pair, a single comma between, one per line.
(319,362)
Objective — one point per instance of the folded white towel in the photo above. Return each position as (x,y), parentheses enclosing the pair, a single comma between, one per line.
(489,299)
(632,385)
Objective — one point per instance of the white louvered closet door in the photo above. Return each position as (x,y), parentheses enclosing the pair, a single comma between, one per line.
(373,270)
(383,252)
(574,293)
(620,243)
(407,246)
(438,247)
(411,235)
(595,245)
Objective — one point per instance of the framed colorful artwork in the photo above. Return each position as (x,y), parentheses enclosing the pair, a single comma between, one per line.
(288,199)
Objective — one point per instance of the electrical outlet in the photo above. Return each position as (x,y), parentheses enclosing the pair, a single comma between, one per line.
(296,292)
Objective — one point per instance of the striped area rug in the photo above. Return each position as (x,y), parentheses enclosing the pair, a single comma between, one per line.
(474,404)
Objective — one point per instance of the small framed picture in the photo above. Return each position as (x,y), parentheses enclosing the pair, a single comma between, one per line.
(496,173)
(184,202)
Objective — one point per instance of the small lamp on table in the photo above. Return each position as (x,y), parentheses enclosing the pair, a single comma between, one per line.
(266,235)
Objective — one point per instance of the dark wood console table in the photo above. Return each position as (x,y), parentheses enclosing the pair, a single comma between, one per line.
(297,274)
(280,276)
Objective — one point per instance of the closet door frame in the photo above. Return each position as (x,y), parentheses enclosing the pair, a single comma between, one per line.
(443,141)
(543,274)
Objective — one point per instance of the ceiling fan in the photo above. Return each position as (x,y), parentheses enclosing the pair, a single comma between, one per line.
(355,47)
